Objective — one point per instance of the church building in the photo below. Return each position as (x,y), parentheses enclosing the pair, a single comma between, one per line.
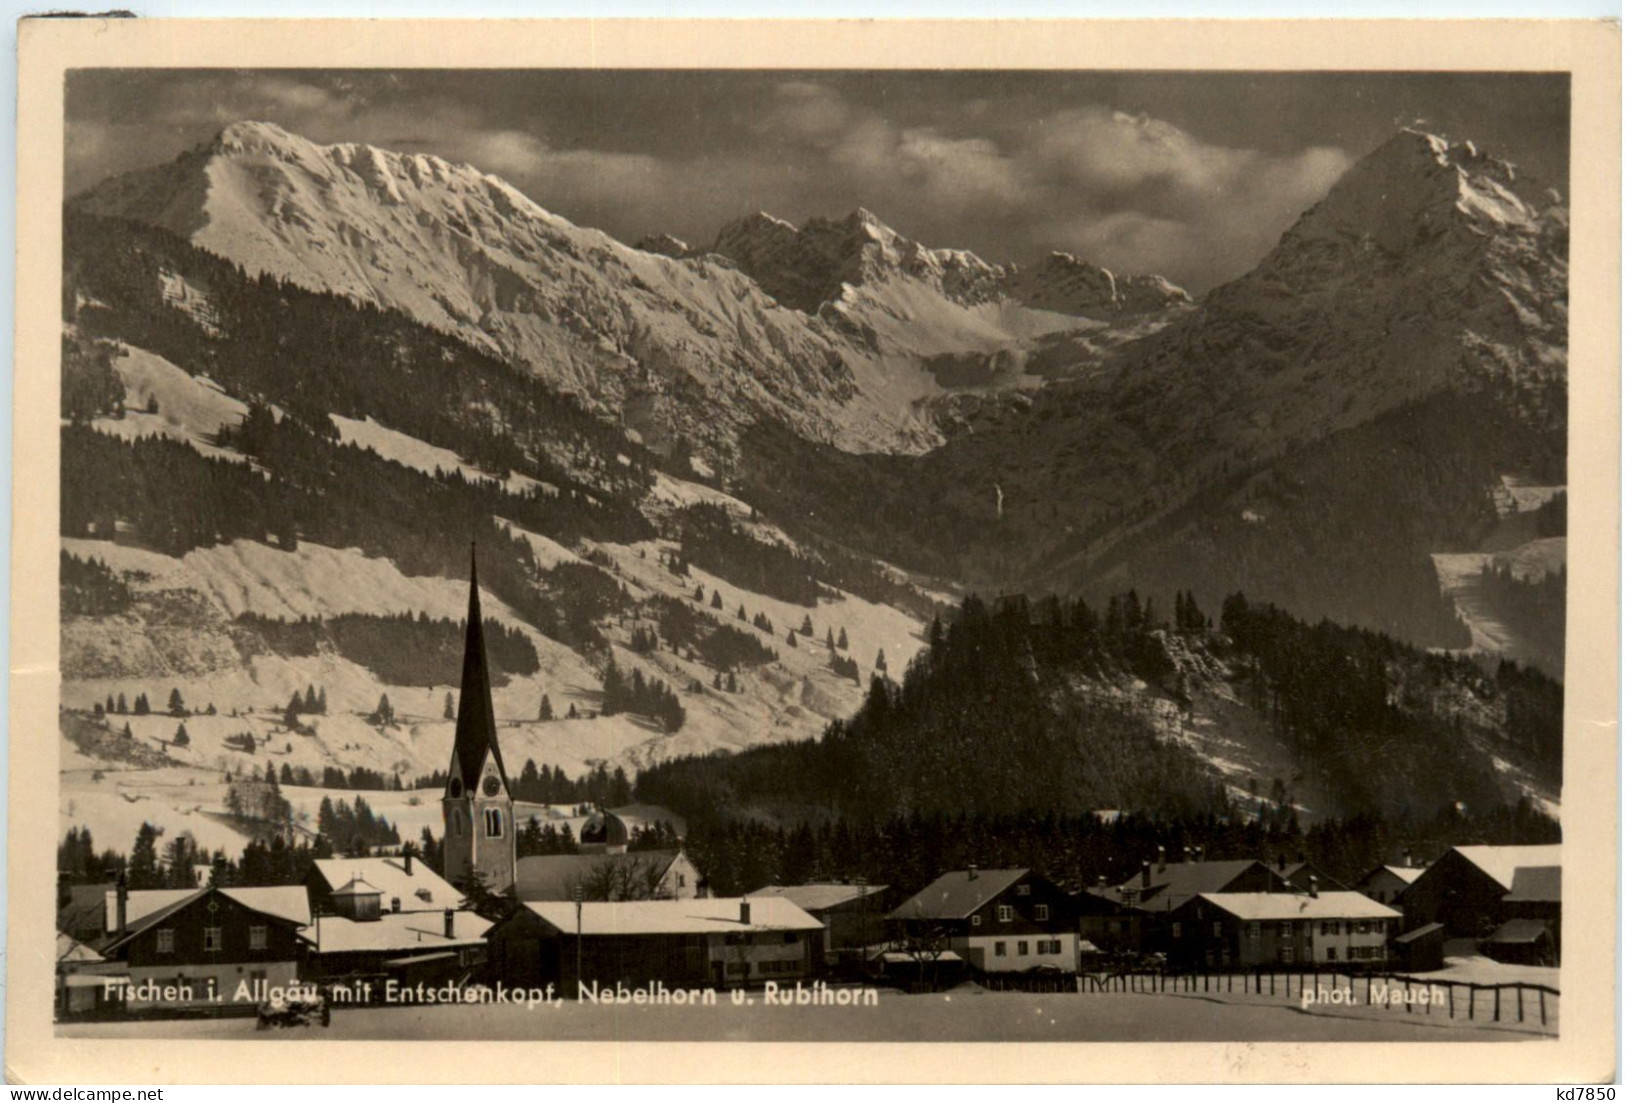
(480,840)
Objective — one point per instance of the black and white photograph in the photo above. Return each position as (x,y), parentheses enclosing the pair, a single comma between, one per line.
(766,554)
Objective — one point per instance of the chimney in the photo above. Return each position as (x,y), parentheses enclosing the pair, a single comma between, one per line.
(123,894)
(1314,887)
(1100,882)
(1162,858)
(451,923)
(1407,859)
(1201,850)
(971,872)
(744,912)
(1145,875)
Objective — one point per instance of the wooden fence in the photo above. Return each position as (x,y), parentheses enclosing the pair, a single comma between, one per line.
(1512,1002)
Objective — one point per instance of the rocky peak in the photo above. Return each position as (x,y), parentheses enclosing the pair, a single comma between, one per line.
(1068,284)
(664,245)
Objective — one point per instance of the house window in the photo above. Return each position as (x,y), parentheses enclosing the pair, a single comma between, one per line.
(1041,912)
(166,940)
(1005,913)
(1360,927)
(1218,929)
(1286,929)
(213,939)
(1331,953)
(493,823)
(1055,946)
(682,881)
(975,921)
(256,938)
(998,949)
(1254,929)
(1178,931)
(1286,953)
(1024,890)
(1021,949)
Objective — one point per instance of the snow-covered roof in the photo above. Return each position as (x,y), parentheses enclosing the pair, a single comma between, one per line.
(1407,874)
(421,890)
(819,897)
(716,915)
(392,932)
(1502,862)
(71,951)
(284,901)
(958,893)
(1291,905)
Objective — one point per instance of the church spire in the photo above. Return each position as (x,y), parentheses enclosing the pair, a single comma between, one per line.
(476,719)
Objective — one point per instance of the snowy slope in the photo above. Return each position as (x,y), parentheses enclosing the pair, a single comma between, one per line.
(189,408)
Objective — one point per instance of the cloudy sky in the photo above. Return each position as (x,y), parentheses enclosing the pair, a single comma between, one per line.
(1192,176)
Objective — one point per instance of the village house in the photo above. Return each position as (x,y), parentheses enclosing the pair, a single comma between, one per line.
(1532,931)
(996,920)
(626,875)
(189,946)
(715,942)
(1106,925)
(403,884)
(1241,930)
(853,915)
(361,940)
(1385,884)
(1162,887)
(82,978)
(1466,888)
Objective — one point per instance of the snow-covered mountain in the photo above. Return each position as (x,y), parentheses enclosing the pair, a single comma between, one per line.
(1310,432)
(831,330)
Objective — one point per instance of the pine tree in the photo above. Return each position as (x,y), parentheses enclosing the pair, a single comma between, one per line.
(741,614)
(573,714)
(880,661)
(716,599)
(142,871)
(127,733)
(141,706)
(123,705)
(296,704)
(310,699)
(716,681)
(733,686)
(790,637)
(546,710)
(829,638)
(450,712)
(699,592)
(181,738)
(807,625)
(321,701)
(841,641)
(110,707)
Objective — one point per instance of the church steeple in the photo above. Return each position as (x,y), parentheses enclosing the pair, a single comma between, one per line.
(476,720)
(479,842)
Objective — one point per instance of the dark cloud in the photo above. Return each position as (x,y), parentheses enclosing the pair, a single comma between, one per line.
(1190,175)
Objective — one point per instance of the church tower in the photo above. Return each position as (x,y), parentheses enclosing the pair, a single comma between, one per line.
(479,841)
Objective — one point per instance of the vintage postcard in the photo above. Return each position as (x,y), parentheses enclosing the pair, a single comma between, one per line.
(565,538)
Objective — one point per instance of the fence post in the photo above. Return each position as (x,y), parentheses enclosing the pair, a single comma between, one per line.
(1497,1003)
(1520,1003)
(1542,1007)
(1472,997)
(1272,984)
